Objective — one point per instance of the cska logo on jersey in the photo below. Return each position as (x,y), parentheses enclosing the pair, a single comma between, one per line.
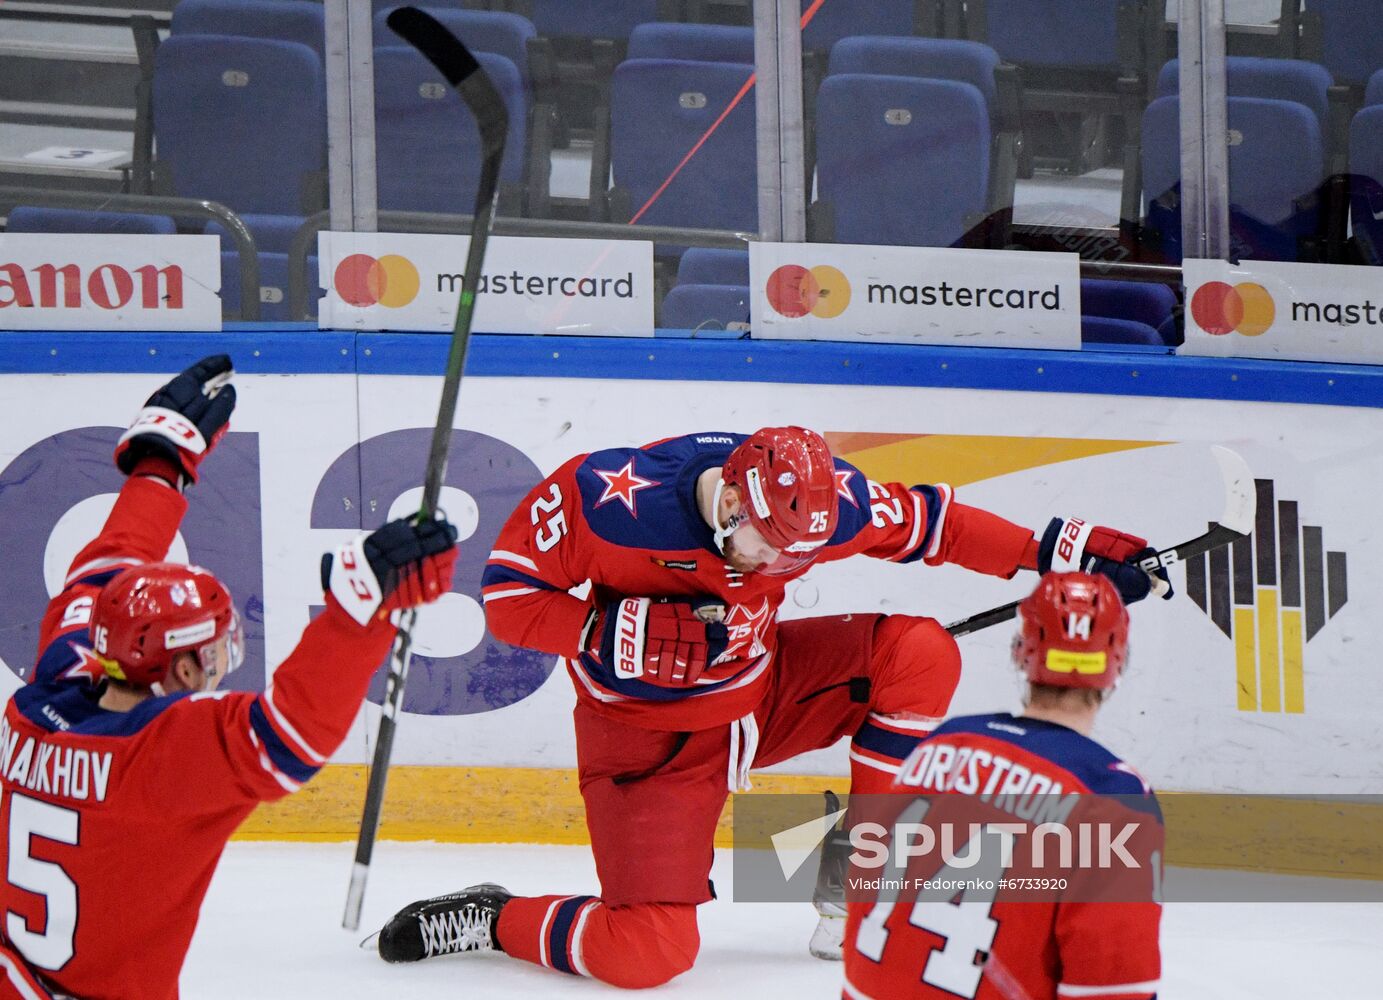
(745,630)
(623,485)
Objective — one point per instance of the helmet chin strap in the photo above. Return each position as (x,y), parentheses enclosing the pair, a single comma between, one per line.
(722,531)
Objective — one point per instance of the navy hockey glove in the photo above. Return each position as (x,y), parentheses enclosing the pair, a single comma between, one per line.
(400,565)
(663,641)
(1072,545)
(183,421)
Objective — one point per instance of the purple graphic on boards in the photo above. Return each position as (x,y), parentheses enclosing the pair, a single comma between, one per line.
(357,492)
(221,529)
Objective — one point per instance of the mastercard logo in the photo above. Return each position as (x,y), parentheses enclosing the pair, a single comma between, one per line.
(1245,308)
(822,291)
(362,280)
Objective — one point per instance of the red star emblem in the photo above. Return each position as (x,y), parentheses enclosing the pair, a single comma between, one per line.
(843,485)
(87,667)
(623,485)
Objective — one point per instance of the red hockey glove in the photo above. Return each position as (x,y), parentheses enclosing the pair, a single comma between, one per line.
(658,640)
(183,420)
(1072,545)
(400,565)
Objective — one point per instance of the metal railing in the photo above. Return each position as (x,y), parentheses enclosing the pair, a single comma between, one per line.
(137,204)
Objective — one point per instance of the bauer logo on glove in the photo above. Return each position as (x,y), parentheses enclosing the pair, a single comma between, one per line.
(1073,545)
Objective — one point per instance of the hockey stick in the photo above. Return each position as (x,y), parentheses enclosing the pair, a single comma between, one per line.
(455,62)
(1241,502)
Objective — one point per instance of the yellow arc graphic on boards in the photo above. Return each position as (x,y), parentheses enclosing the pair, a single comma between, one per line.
(959,459)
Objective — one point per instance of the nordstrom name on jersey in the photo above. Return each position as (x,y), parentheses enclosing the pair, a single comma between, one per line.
(68,772)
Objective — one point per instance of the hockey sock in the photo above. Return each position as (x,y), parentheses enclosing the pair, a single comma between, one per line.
(635,946)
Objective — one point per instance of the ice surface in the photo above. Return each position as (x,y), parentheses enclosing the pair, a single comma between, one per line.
(271,928)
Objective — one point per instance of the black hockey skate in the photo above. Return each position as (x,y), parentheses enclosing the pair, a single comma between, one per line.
(444,925)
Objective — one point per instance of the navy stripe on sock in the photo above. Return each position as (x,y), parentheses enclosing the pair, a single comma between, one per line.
(885,743)
(561,928)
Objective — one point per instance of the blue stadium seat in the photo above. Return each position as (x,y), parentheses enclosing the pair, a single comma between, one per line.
(660,109)
(273,285)
(932,58)
(273,236)
(1108,330)
(1276,171)
(427,144)
(699,42)
(900,161)
(709,266)
(281,20)
(499,32)
(1373,93)
(1345,36)
(1081,34)
(592,18)
(1366,182)
(1147,303)
(241,121)
(36,219)
(1277,79)
(706,308)
(834,21)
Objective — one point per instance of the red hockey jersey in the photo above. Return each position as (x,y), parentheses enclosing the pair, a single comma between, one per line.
(626,519)
(111,823)
(1002,935)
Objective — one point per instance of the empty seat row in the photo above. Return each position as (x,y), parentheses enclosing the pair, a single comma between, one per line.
(896,118)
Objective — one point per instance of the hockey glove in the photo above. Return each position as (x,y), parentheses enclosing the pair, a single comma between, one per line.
(1070,545)
(659,640)
(183,421)
(400,565)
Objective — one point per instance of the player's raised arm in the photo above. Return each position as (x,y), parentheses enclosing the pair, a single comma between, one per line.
(906,524)
(305,713)
(535,561)
(170,436)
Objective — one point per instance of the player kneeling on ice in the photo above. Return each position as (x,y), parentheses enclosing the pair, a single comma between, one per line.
(123,771)
(685,679)
(1029,923)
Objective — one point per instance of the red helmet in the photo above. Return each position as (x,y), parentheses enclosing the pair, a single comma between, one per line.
(1074,632)
(788,480)
(148,614)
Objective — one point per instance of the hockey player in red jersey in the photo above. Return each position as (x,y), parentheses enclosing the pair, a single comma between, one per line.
(123,771)
(1098,938)
(685,678)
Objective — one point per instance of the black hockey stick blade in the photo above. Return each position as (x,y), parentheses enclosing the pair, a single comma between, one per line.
(455,62)
(1241,502)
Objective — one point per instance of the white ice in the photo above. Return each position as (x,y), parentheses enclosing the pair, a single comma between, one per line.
(271,928)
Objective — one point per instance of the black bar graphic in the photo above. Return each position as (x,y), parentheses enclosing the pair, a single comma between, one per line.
(1335,580)
(1195,581)
(1290,553)
(1264,532)
(1313,571)
(1221,610)
(1243,570)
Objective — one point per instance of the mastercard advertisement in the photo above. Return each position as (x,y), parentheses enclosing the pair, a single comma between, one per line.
(914,295)
(413,281)
(1284,311)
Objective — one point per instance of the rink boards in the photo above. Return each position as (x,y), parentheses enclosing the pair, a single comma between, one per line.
(1259,678)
